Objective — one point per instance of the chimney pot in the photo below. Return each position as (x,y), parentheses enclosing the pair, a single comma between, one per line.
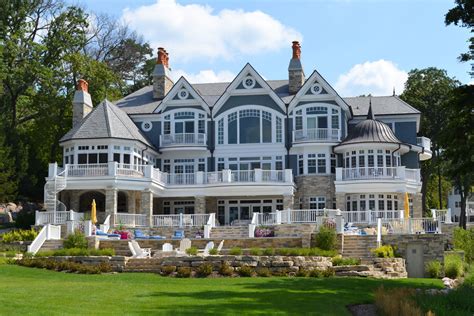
(296,50)
(82,85)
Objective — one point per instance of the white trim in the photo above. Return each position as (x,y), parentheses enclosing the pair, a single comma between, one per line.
(249,86)
(248,70)
(313,89)
(182,96)
(144,128)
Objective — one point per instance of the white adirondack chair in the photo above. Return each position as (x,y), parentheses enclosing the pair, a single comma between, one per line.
(167,247)
(209,246)
(221,245)
(183,245)
(140,252)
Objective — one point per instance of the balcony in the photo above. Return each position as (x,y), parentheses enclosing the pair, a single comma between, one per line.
(378,179)
(424,143)
(316,135)
(183,139)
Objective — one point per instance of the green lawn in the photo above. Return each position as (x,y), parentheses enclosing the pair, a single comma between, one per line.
(43,292)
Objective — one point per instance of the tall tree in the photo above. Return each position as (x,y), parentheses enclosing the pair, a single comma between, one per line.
(457,140)
(463,14)
(428,90)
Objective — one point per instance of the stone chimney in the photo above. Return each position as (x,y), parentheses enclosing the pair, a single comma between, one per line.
(295,69)
(82,102)
(162,82)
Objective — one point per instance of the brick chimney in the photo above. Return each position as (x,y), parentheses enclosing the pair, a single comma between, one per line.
(295,69)
(162,82)
(81,103)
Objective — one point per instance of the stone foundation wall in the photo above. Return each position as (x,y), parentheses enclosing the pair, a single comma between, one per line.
(304,231)
(312,186)
(121,246)
(433,245)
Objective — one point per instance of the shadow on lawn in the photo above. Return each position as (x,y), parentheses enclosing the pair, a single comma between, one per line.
(284,296)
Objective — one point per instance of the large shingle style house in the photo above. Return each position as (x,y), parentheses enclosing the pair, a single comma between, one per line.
(235,148)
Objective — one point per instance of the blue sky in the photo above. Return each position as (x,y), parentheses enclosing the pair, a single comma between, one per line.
(358,46)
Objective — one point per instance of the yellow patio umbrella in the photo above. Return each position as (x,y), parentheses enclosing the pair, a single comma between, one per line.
(407,206)
(93,212)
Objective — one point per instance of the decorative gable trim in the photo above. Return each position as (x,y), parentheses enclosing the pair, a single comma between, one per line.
(191,98)
(327,93)
(238,88)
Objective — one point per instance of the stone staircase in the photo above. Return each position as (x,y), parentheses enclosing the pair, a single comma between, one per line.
(359,247)
(52,245)
(230,232)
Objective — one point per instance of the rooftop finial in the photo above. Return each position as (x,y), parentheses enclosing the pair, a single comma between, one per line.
(370,115)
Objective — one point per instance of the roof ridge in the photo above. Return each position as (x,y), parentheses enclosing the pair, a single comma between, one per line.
(107,125)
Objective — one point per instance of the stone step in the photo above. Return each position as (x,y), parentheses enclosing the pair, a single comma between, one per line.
(52,245)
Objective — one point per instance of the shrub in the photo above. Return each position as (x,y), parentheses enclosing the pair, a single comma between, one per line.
(256,251)
(264,231)
(434,269)
(245,271)
(385,251)
(264,272)
(326,238)
(305,252)
(453,266)
(213,251)
(192,251)
(316,273)
(268,252)
(464,240)
(302,273)
(168,270)
(104,267)
(76,240)
(76,252)
(339,261)
(236,251)
(19,235)
(183,272)
(329,272)
(226,269)
(204,270)
(68,266)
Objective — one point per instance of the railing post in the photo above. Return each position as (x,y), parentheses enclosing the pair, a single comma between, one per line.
(180,220)
(199,177)
(379,232)
(112,168)
(339,222)
(37,218)
(410,226)
(148,171)
(278,217)
(439,230)
(369,220)
(48,231)
(207,231)
(258,175)
(402,214)
(226,175)
(288,214)
(433,213)
(448,219)
(288,176)
(52,170)
(338,174)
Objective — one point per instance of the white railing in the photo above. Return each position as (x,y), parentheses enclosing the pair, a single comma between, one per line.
(369,173)
(131,220)
(89,170)
(212,220)
(183,139)
(268,219)
(214,177)
(48,232)
(183,220)
(181,178)
(412,175)
(316,134)
(58,217)
(273,175)
(159,176)
(369,216)
(106,225)
(412,226)
(243,176)
(304,216)
(130,170)
(166,220)
(424,142)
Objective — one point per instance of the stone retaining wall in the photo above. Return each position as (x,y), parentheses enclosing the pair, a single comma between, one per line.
(121,246)
(280,265)
(433,244)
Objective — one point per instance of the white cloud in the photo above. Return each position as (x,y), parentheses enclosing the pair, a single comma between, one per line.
(204,76)
(376,78)
(193,31)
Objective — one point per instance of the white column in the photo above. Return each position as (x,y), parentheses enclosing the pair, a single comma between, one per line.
(289,175)
(112,168)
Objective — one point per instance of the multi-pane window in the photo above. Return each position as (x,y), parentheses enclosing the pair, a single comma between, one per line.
(317,203)
(279,130)
(220,131)
(167,127)
(266,127)
(321,163)
(232,128)
(201,126)
(335,119)
(300,164)
(333,163)
(311,163)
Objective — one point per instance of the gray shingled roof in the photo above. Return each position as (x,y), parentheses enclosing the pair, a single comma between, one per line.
(387,105)
(106,121)
(142,101)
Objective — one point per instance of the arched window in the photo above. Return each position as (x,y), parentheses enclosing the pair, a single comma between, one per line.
(250,126)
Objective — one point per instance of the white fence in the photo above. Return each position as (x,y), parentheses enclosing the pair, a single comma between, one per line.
(89,170)
(183,139)
(131,220)
(363,217)
(51,217)
(412,226)
(48,232)
(311,134)
(243,176)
